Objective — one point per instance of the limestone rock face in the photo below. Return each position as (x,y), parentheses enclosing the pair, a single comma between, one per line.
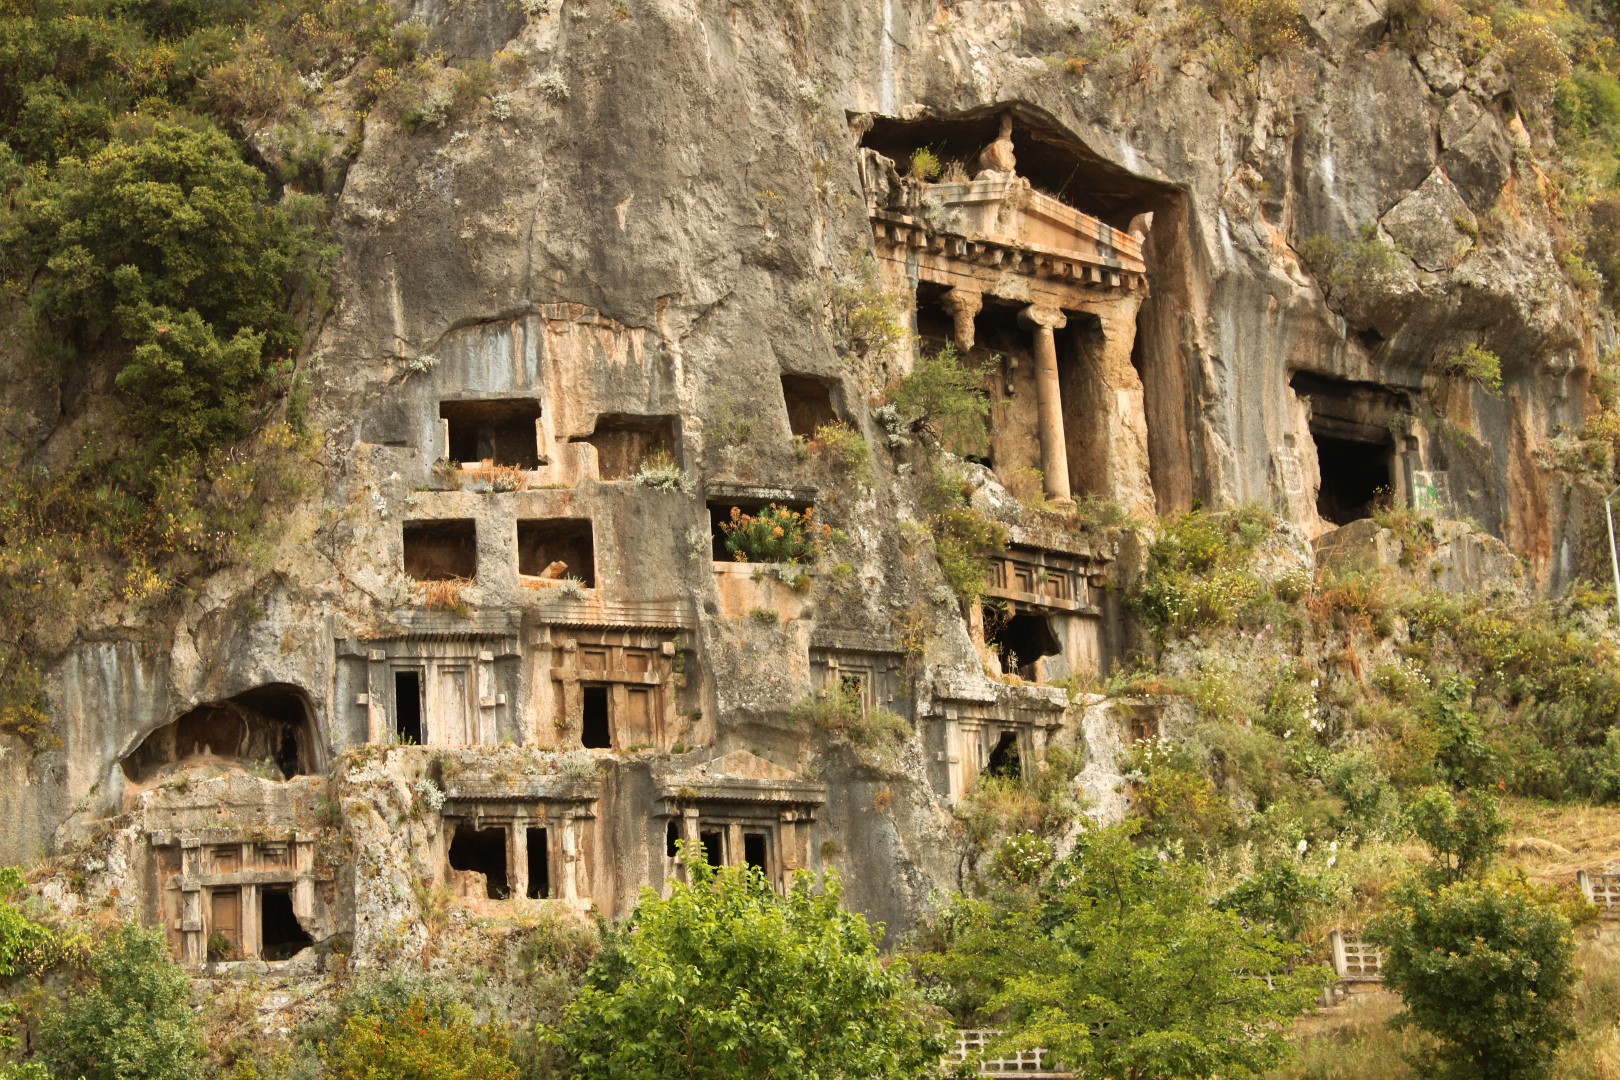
(1433,224)
(642,251)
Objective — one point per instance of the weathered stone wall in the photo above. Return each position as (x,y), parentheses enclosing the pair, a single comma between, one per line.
(644,244)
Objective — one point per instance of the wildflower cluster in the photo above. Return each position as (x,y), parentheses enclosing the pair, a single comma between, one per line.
(777,534)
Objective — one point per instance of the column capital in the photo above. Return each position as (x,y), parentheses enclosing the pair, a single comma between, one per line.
(1049,318)
(962,305)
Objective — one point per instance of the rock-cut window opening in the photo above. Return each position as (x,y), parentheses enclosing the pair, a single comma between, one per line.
(624,443)
(482,851)
(503,432)
(271,724)
(557,548)
(755,851)
(714,846)
(444,550)
(408,707)
(720,513)
(809,404)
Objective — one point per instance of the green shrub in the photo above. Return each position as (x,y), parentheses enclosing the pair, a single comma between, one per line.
(1485,967)
(877,735)
(161,243)
(964,539)
(1118,965)
(131,1021)
(726,979)
(777,534)
(868,319)
(1200,573)
(924,164)
(419,1042)
(1478,364)
(844,444)
(944,398)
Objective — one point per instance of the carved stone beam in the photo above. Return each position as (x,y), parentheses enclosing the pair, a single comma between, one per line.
(963,305)
(1048,399)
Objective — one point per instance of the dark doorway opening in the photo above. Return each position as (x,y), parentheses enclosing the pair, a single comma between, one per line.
(539,865)
(809,404)
(282,935)
(672,837)
(714,846)
(502,432)
(1355,478)
(1005,761)
(482,851)
(1019,639)
(595,732)
(408,708)
(441,550)
(557,548)
(755,846)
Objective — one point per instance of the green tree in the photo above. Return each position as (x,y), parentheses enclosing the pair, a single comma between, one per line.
(160,247)
(1463,833)
(944,397)
(1116,962)
(419,1041)
(19,936)
(1485,967)
(133,1021)
(727,979)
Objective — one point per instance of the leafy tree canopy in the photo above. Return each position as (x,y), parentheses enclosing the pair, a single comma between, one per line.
(728,979)
(133,1021)
(1117,963)
(1486,967)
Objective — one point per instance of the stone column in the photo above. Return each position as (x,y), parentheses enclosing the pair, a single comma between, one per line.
(963,305)
(1048,400)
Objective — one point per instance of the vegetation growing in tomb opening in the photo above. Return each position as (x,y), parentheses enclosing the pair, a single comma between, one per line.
(943,398)
(877,736)
(726,978)
(659,471)
(777,534)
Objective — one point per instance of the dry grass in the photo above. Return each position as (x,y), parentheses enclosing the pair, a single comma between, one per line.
(499,477)
(1551,841)
(444,595)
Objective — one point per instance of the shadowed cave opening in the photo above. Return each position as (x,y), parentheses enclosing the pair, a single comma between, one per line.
(1350,424)
(271,724)
(1019,639)
(1005,761)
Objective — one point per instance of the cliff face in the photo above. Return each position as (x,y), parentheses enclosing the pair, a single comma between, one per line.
(636,235)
